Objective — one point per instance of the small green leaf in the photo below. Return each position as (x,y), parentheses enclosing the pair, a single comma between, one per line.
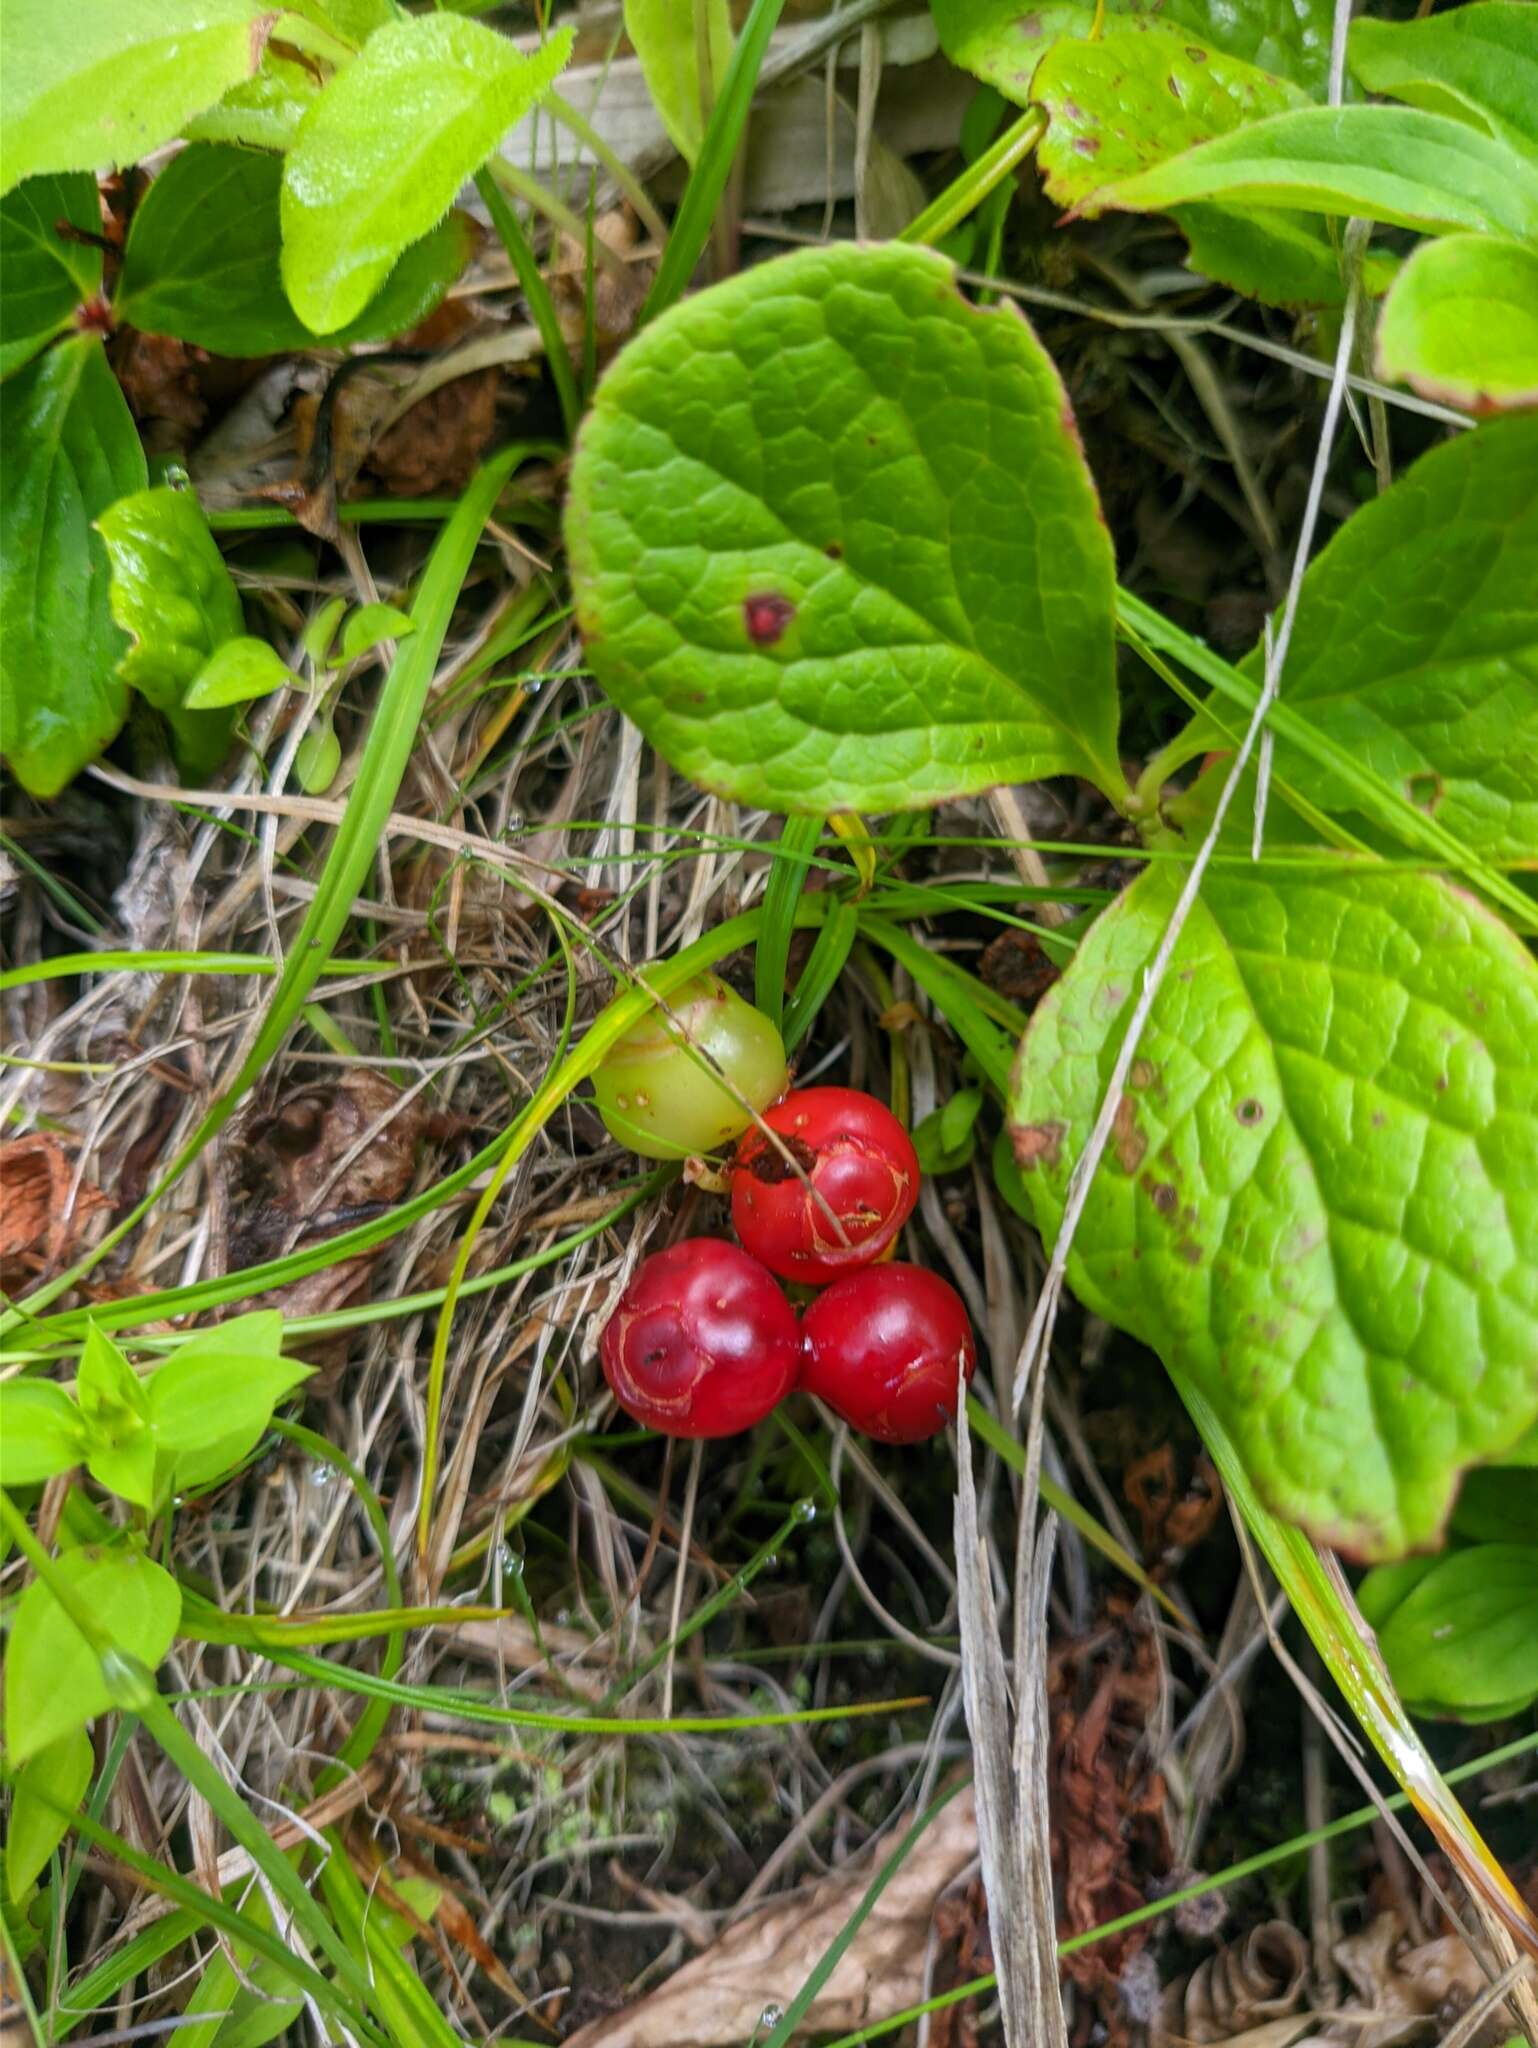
(380,157)
(69,449)
(170,590)
(46,276)
(1461,324)
(41,1432)
(1416,643)
(263,112)
(946,1139)
(1466,1637)
(1321,1199)
(317,759)
(53,1681)
(835,546)
(119,1439)
(237,672)
(1477,63)
(217,1394)
(203,261)
(321,629)
(172,593)
(368,626)
(1392,164)
(49,1787)
(663,37)
(111,80)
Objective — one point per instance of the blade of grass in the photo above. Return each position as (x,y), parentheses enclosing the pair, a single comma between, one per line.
(825,963)
(63,964)
(718,151)
(787,879)
(536,292)
(972,1010)
(967,192)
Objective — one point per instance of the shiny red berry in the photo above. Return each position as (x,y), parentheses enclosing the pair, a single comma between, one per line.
(861,1167)
(702,1343)
(884,1348)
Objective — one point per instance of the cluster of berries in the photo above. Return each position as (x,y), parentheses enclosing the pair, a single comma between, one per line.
(703,1342)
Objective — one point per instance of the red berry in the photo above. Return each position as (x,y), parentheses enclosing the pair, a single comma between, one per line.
(702,1343)
(858,1159)
(883,1349)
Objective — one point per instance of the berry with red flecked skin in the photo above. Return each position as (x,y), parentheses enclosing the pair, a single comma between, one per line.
(857,1158)
(702,1342)
(885,1348)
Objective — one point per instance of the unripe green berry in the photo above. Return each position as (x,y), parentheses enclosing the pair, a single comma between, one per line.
(656,1096)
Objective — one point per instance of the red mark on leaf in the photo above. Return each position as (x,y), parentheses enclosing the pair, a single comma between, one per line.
(766,617)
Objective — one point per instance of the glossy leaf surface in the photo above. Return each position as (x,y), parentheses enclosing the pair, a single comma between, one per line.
(1321,1199)
(46,275)
(835,546)
(1464,1639)
(664,38)
(381,156)
(104,82)
(1461,324)
(70,449)
(1478,63)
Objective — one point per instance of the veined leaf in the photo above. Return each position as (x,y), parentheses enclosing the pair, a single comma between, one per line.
(107,81)
(53,1680)
(211,1400)
(1461,323)
(1001,42)
(382,154)
(46,276)
(1393,164)
(203,261)
(835,546)
(1321,1203)
(1477,63)
(1141,94)
(663,36)
(1416,643)
(70,449)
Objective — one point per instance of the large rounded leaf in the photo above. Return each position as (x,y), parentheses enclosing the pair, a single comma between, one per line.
(835,545)
(1461,324)
(1321,1202)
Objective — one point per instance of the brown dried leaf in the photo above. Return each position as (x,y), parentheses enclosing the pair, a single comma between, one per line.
(1408,1989)
(436,446)
(39,1224)
(1246,1982)
(1014,966)
(717,2000)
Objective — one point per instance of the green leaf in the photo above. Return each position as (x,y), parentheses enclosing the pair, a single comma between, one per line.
(663,37)
(368,626)
(217,1393)
(380,157)
(53,1681)
(1478,63)
(170,590)
(1392,164)
(69,449)
(1466,1637)
(203,261)
(1282,258)
(1461,324)
(1498,1504)
(946,1138)
(265,111)
(835,546)
(115,1417)
(1416,643)
(110,80)
(54,1779)
(46,277)
(241,670)
(999,41)
(317,759)
(1140,95)
(41,1432)
(1321,1201)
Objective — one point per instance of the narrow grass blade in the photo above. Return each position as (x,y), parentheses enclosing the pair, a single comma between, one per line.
(968,191)
(787,879)
(63,964)
(825,963)
(531,282)
(707,181)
